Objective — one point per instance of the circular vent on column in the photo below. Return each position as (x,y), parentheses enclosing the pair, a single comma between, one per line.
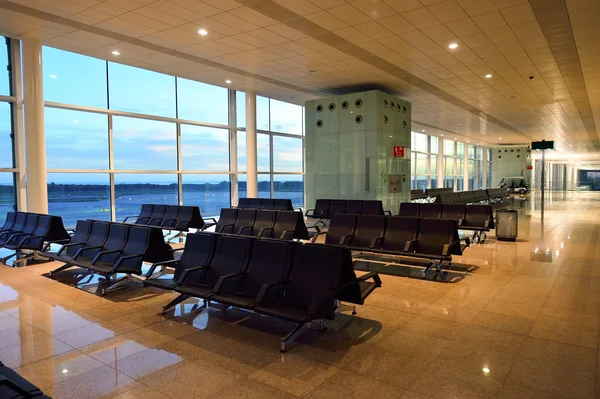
(345,105)
(358,103)
(319,108)
(319,123)
(403,109)
(332,107)
(399,107)
(385,103)
(358,119)
(404,123)
(385,119)
(392,105)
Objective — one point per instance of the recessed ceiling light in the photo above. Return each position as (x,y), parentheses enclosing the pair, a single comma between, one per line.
(441,135)
(468,141)
(453,46)
(53,76)
(228,81)
(391,136)
(116,53)
(202,32)
(460,124)
(499,138)
(570,145)
(489,75)
(65,371)
(486,370)
(423,130)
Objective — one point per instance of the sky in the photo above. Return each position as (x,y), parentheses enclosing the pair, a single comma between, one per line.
(79,140)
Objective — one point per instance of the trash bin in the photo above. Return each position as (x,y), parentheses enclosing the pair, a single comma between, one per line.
(507,226)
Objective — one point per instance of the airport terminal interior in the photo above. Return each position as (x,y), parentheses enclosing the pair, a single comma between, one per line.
(299,198)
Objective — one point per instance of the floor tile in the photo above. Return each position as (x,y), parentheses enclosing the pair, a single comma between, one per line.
(349,385)
(570,328)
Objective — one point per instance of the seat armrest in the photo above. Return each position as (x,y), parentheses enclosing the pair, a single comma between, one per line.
(346,240)
(222,279)
(230,226)
(177,249)
(376,242)
(169,263)
(410,246)
(287,235)
(127,217)
(265,289)
(167,220)
(100,254)
(80,250)
(122,258)
(388,213)
(314,237)
(69,245)
(190,270)
(317,299)
(262,231)
(24,240)
(486,224)
(244,228)
(468,241)
(312,213)
(460,221)
(446,249)
(371,275)
(314,227)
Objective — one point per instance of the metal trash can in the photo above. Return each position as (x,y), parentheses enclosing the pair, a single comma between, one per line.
(507,224)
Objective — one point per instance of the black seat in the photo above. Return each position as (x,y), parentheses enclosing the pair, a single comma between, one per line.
(268,204)
(400,234)
(369,232)
(321,209)
(410,209)
(373,207)
(478,217)
(183,217)
(341,229)
(283,205)
(80,236)
(18,225)
(243,203)
(263,224)
(33,241)
(169,219)
(231,256)
(430,211)
(288,225)
(14,236)
(337,206)
(270,262)
(158,211)
(454,211)
(97,237)
(145,214)
(227,220)
(354,206)
(198,251)
(13,386)
(117,237)
(245,219)
(9,222)
(255,203)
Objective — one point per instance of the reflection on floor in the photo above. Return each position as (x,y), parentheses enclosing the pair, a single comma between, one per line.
(512,328)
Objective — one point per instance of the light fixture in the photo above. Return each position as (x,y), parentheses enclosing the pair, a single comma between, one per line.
(391,136)
(53,76)
(65,371)
(202,32)
(486,370)
(115,52)
(228,81)
(499,138)
(489,75)
(423,130)
(441,135)
(455,138)
(468,141)
(460,124)
(570,145)
(453,46)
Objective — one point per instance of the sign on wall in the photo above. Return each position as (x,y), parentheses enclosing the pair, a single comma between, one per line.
(398,151)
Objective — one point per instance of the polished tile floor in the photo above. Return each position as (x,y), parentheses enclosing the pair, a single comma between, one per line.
(518,325)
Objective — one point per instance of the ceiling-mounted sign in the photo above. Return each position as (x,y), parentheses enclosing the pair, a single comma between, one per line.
(398,151)
(542,145)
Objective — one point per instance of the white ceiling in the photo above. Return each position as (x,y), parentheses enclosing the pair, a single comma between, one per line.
(295,50)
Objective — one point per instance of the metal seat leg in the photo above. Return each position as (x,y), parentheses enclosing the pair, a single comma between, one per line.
(179,299)
(291,337)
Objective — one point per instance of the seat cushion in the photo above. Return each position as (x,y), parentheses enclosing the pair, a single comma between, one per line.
(234,299)
(162,283)
(81,262)
(195,290)
(100,267)
(283,312)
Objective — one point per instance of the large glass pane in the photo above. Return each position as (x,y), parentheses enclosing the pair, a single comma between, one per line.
(420,143)
(76,196)
(471,149)
(471,173)
(141,144)
(4,57)
(262,152)
(448,147)
(209,192)
(75,139)
(420,183)
(434,145)
(7,195)
(421,168)
(449,165)
(140,90)
(202,102)
(287,154)
(133,190)
(433,165)
(6,147)
(262,113)
(264,186)
(460,150)
(286,117)
(73,78)
(479,152)
(289,187)
(204,148)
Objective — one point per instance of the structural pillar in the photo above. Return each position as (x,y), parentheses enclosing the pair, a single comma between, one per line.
(440,164)
(251,157)
(35,139)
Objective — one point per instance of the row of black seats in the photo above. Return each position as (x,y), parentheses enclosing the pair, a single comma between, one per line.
(417,194)
(109,248)
(171,217)
(469,217)
(473,197)
(13,386)
(325,208)
(285,225)
(429,238)
(29,231)
(274,204)
(282,279)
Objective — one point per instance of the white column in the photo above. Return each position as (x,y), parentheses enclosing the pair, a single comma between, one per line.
(251,163)
(466,168)
(484,167)
(18,131)
(233,160)
(440,163)
(35,139)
